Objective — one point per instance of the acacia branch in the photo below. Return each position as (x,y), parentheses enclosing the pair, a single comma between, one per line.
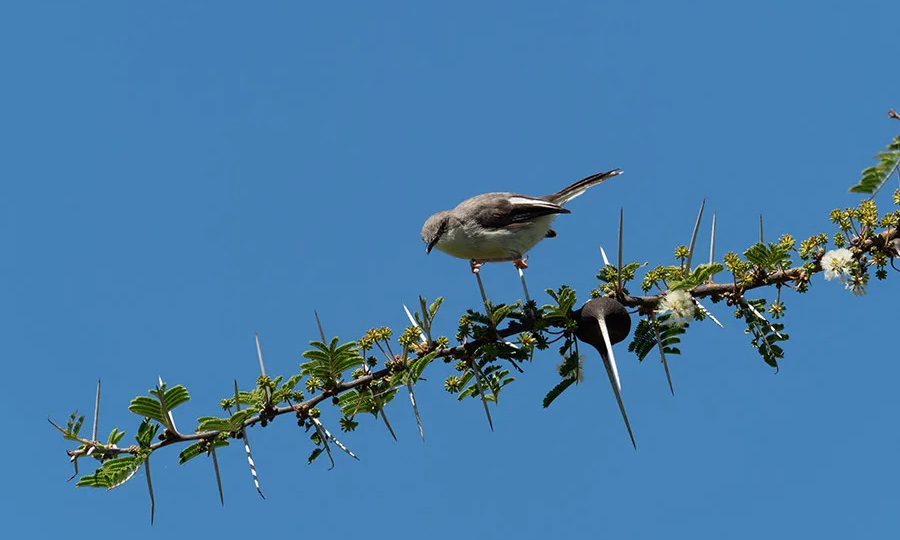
(645,304)
(779,277)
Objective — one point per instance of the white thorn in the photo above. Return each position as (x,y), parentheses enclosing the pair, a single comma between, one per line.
(707,313)
(603,254)
(612,357)
(415,324)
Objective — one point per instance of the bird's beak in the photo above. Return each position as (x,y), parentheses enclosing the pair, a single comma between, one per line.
(430,246)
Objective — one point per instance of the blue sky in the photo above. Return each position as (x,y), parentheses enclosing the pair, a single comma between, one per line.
(178,176)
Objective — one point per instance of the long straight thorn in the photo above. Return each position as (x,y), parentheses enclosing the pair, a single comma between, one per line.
(409,386)
(412,321)
(708,313)
(487,411)
(237,404)
(96,413)
(412,399)
(603,254)
(694,235)
(609,361)
(215,460)
(319,324)
(262,366)
(619,262)
(662,353)
(150,489)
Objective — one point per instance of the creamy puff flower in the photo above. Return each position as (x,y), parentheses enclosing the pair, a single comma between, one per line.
(680,304)
(836,264)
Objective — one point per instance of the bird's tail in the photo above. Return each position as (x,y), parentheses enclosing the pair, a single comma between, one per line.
(565,195)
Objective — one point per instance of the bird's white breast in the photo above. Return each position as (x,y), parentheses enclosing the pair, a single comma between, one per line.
(472,242)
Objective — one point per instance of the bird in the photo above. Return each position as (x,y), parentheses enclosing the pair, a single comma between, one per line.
(602,322)
(501,227)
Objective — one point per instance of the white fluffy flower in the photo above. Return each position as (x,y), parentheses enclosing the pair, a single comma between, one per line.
(836,264)
(680,304)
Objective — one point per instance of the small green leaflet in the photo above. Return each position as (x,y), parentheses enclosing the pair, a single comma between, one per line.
(874,177)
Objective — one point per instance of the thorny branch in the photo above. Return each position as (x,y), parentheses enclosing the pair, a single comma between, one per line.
(645,304)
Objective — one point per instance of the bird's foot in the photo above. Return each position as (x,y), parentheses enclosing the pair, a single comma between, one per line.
(475,265)
(521,264)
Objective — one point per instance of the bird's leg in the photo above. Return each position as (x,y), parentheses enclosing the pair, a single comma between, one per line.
(522,277)
(520,265)
(476,266)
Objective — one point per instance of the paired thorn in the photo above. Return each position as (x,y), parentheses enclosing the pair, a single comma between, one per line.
(662,353)
(319,324)
(694,234)
(237,404)
(619,286)
(262,367)
(215,461)
(409,386)
(96,413)
(480,386)
(609,361)
(605,259)
(150,489)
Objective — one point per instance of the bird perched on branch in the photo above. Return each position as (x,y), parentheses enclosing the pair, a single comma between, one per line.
(497,227)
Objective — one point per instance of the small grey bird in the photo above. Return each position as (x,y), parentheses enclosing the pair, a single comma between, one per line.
(496,227)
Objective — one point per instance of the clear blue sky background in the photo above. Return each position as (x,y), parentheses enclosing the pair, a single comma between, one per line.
(178,175)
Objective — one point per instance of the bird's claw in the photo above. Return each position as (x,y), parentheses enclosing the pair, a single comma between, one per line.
(475,265)
(521,264)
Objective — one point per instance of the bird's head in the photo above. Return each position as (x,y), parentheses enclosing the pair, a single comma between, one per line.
(434,228)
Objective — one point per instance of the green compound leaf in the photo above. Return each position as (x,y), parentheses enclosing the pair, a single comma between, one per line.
(768,256)
(315,453)
(147,407)
(146,433)
(874,177)
(565,301)
(174,396)
(644,340)
(212,423)
(114,437)
(701,274)
(329,362)
(199,448)
(570,371)
(556,391)
(766,336)
(113,473)
(151,407)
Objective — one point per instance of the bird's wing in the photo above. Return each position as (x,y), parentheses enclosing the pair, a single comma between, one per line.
(501,210)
